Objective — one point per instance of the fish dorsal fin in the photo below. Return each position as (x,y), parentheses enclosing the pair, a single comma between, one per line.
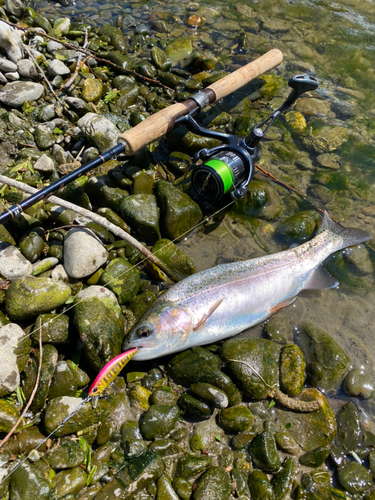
(282,304)
(320,279)
(205,317)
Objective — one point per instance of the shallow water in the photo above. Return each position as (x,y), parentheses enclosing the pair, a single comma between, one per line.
(334,41)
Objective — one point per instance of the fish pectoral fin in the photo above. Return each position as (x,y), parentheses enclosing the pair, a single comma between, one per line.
(320,279)
(282,304)
(204,318)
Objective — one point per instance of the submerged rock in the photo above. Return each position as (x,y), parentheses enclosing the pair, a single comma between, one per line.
(327,362)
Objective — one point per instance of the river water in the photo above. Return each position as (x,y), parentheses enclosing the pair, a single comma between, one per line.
(332,161)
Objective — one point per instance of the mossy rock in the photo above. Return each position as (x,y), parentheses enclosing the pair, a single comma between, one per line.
(141,212)
(174,258)
(100,324)
(179,213)
(261,199)
(122,279)
(214,483)
(249,358)
(292,370)
(29,296)
(300,226)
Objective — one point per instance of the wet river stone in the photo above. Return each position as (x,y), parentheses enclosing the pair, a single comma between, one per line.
(247,358)
(214,483)
(327,362)
(261,199)
(53,327)
(17,348)
(68,455)
(84,253)
(67,379)
(326,139)
(30,482)
(292,370)
(13,264)
(169,253)
(236,419)
(263,451)
(30,296)
(8,416)
(348,427)
(358,383)
(49,362)
(59,408)
(310,430)
(159,420)
(210,394)
(177,50)
(100,324)
(141,212)
(300,226)
(69,481)
(260,487)
(355,478)
(122,279)
(200,365)
(179,213)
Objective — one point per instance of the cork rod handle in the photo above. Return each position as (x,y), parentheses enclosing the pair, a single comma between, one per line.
(157,125)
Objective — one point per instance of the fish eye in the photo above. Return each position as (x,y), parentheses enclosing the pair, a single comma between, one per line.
(144,332)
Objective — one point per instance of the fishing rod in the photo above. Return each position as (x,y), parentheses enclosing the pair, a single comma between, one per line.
(157,125)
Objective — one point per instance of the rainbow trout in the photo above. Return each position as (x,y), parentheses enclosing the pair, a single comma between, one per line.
(225,300)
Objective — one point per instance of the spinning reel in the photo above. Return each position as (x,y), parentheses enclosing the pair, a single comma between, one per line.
(229,168)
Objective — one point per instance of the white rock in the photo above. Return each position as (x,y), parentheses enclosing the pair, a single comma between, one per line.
(96,291)
(27,69)
(10,41)
(52,46)
(13,264)
(16,93)
(84,253)
(59,273)
(7,66)
(10,335)
(13,76)
(44,164)
(58,68)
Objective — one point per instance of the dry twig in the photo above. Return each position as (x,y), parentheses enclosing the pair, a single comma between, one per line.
(10,433)
(98,219)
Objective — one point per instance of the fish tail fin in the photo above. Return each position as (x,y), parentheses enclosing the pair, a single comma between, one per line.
(349,236)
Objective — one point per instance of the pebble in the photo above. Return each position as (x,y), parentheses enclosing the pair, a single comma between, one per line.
(52,46)
(58,68)
(44,164)
(27,69)
(59,273)
(83,253)
(7,66)
(11,42)
(13,76)
(13,264)
(16,93)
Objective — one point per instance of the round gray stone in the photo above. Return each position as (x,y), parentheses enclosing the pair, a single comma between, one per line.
(16,93)
(44,164)
(11,42)
(27,69)
(58,68)
(10,334)
(6,65)
(13,264)
(84,253)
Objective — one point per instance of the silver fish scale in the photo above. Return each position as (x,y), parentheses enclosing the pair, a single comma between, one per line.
(300,259)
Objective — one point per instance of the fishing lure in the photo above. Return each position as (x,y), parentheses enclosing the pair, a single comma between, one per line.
(108,374)
(102,381)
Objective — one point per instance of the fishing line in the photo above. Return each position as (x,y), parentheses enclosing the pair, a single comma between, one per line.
(82,403)
(207,218)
